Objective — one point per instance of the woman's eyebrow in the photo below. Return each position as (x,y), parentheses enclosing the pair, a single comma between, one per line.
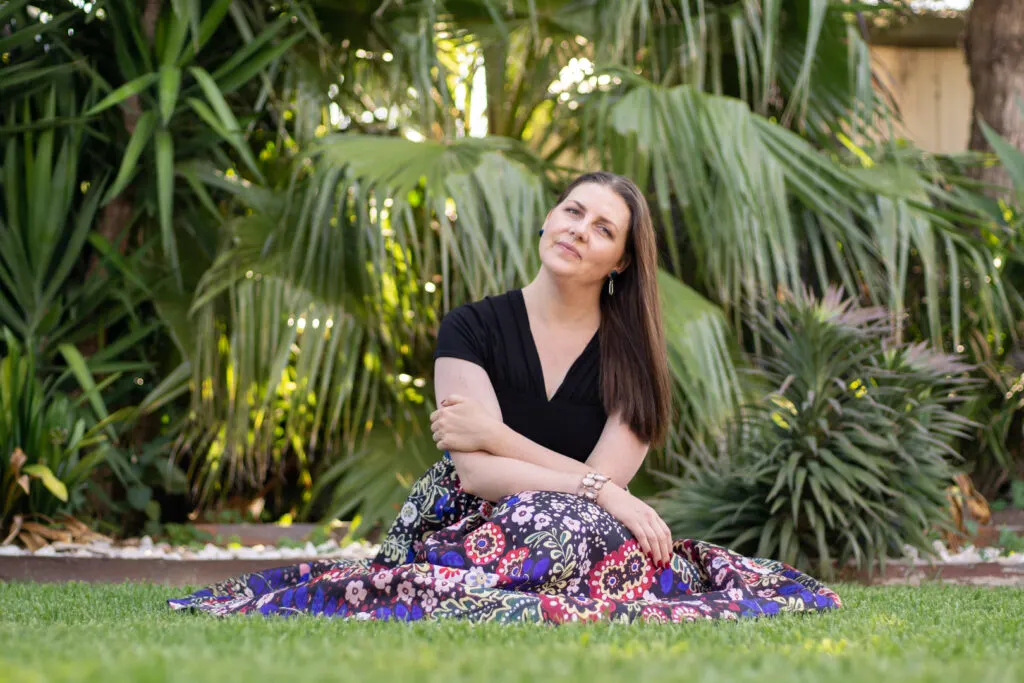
(610,223)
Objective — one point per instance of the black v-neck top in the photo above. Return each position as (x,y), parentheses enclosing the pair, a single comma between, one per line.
(494,333)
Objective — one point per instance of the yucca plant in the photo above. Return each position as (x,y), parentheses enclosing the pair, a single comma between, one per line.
(71,311)
(60,281)
(847,455)
(166,72)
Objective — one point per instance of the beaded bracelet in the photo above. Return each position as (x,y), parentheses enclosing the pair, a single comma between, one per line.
(590,485)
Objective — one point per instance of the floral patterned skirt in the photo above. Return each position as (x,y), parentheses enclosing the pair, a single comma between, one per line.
(537,556)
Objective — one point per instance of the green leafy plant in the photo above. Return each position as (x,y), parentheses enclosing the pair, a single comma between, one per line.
(71,307)
(1010,541)
(187,535)
(995,456)
(147,477)
(1017,494)
(50,445)
(847,455)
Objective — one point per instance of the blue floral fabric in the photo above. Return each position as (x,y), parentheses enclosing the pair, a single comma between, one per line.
(537,556)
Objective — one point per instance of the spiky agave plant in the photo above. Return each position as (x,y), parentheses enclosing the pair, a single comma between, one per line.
(846,456)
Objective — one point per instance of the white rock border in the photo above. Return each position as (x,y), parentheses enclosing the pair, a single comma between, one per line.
(145,549)
(968,555)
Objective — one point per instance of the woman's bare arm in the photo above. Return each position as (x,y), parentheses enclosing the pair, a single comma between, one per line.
(485,474)
(493,477)
(618,453)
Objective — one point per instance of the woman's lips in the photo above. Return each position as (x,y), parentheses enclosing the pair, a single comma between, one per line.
(569,248)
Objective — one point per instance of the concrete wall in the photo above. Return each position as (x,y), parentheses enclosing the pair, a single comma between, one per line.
(933,90)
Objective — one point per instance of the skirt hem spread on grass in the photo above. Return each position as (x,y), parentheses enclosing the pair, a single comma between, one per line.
(537,556)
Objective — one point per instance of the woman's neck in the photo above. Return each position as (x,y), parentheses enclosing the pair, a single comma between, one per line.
(562,304)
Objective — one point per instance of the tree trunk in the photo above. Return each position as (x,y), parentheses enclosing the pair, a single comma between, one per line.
(994,46)
(118,212)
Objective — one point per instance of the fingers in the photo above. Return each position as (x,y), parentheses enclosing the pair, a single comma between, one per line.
(660,538)
(437,431)
(641,536)
(657,537)
(648,537)
(666,536)
(436,426)
(657,547)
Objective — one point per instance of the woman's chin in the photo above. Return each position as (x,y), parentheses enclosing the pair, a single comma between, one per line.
(561,268)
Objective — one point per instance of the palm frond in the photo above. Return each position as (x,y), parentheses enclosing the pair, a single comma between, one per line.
(702,360)
(748,207)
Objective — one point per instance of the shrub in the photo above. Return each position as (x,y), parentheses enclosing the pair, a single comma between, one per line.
(49,447)
(847,456)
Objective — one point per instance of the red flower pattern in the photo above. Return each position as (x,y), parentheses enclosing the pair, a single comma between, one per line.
(485,545)
(510,567)
(622,575)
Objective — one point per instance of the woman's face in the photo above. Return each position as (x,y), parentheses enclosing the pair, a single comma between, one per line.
(585,235)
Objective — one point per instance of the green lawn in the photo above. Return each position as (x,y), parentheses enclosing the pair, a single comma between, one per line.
(105,634)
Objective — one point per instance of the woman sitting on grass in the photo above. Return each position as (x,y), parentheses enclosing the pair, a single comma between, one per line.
(550,397)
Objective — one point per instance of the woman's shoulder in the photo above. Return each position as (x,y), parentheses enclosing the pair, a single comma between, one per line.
(471,330)
(486,311)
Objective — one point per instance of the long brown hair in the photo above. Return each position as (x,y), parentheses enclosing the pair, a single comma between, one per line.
(634,362)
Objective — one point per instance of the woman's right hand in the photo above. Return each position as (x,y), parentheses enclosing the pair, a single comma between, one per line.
(646,525)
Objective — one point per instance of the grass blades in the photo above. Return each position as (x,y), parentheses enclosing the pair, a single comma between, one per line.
(94,633)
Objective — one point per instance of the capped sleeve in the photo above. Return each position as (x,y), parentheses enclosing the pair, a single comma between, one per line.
(463,334)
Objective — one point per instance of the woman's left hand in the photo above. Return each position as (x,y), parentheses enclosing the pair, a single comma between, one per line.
(461,424)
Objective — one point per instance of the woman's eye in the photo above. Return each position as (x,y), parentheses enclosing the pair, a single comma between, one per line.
(574,212)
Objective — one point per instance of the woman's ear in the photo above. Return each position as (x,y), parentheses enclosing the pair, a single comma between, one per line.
(624,262)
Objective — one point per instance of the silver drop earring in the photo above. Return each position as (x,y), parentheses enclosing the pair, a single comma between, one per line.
(611,283)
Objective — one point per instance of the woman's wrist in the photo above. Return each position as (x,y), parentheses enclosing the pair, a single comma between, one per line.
(608,491)
(493,432)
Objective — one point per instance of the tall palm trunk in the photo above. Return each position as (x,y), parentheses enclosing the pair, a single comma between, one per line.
(995,56)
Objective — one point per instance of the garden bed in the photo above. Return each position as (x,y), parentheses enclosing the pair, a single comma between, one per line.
(239,548)
(115,570)
(160,563)
(974,573)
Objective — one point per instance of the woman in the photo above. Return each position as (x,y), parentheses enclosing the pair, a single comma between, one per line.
(549,398)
